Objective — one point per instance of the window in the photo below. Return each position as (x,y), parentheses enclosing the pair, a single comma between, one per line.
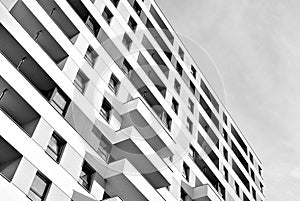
(259,170)
(127,41)
(181,53)
(86,176)
(81,81)
(225,173)
(55,147)
(132,24)
(92,25)
(126,68)
(174,105)
(252,175)
(192,87)
(192,152)
(254,193)
(225,153)
(39,188)
(225,118)
(261,187)
(237,189)
(137,8)
(104,148)
(59,101)
(225,135)
(91,56)
(115,2)
(177,86)
(251,157)
(114,84)
(185,171)
(183,194)
(193,71)
(191,105)
(107,15)
(105,109)
(179,68)
(189,125)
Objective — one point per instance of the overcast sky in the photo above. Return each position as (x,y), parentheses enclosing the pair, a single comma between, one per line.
(256,48)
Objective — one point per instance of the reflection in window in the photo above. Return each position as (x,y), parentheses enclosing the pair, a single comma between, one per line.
(39,187)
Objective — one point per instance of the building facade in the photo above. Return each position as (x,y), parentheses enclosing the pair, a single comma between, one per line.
(100,100)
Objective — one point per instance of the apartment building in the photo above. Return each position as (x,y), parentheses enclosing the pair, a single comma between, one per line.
(100,100)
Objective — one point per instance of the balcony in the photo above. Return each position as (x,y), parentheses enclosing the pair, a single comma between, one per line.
(149,98)
(85,16)
(214,181)
(132,146)
(205,193)
(136,113)
(206,127)
(148,69)
(39,34)
(155,55)
(32,71)
(162,24)
(208,150)
(60,19)
(240,174)
(17,109)
(9,159)
(133,185)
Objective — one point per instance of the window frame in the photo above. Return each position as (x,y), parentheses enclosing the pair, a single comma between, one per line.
(85,80)
(177,86)
(189,125)
(127,41)
(56,106)
(191,105)
(132,24)
(91,56)
(175,106)
(61,147)
(34,191)
(114,84)
(106,114)
(186,171)
(87,184)
(107,15)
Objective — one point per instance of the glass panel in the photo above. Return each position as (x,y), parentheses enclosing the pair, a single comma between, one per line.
(58,102)
(33,196)
(38,185)
(54,145)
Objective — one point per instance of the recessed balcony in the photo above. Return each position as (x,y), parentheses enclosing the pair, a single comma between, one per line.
(39,34)
(148,69)
(155,55)
(161,24)
(85,16)
(149,98)
(17,109)
(32,71)
(9,159)
(206,170)
(60,18)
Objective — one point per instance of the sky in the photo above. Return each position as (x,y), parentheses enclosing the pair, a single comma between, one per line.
(255,46)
